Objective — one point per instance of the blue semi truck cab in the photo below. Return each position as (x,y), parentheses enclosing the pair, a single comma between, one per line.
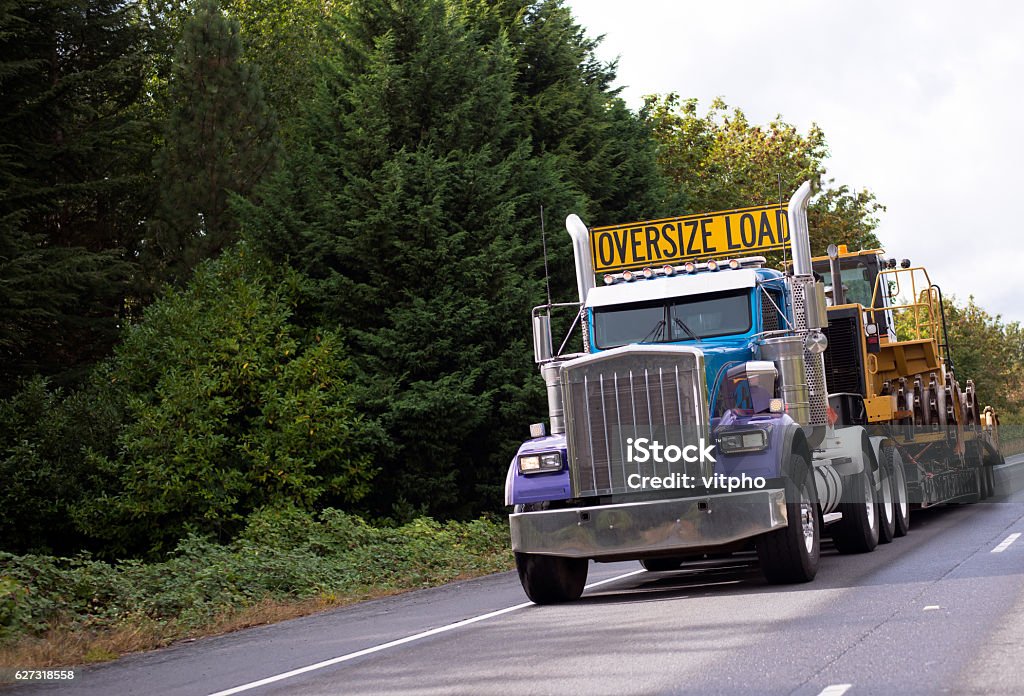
(696,418)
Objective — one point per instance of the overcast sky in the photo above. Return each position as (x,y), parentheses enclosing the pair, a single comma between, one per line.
(923,103)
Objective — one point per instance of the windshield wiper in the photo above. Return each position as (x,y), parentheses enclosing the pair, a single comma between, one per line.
(655,334)
(687,329)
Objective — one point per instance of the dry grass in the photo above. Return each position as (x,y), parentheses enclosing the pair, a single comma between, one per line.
(69,646)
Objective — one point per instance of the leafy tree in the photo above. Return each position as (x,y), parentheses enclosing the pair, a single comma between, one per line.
(720,161)
(74,156)
(231,407)
(218,140)
(987,350)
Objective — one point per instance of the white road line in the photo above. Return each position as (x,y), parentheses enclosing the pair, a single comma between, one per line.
(396,643)
(1005,543)
(836,690)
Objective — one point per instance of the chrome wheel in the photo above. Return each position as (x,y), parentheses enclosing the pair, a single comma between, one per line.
(807,520)
(869,499)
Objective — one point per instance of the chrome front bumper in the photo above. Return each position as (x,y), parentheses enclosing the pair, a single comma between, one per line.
(647,528)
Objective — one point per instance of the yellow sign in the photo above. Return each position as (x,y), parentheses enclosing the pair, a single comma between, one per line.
(729,233)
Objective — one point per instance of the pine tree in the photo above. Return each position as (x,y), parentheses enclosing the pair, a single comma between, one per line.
(219,141)
(73,169)
(413,202)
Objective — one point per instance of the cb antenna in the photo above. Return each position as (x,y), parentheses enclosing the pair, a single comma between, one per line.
(785,217)
(544,244)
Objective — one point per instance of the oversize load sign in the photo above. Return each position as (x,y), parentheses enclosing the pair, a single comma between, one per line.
(729,233)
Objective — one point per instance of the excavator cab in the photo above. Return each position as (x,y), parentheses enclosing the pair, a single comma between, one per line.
(859,271)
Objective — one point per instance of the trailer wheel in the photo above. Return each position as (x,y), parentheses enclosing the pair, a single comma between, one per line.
(857,532)
(987,478)
(886,503)
(791,554)
(900,491)
(551,579)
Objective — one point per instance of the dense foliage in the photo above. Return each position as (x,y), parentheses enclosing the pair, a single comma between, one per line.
(721,161)
(229,407)
(75,173)
(271,253)
(281,554)
(219,141)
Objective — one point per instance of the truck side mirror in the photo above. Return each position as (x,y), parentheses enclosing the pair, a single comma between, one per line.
(542,350)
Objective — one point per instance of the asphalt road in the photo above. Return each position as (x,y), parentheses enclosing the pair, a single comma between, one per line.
(939,611)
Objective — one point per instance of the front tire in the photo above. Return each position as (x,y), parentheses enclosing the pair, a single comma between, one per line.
(791,554)
(551,579)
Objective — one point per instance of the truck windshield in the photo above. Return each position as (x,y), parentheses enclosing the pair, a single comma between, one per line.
(663,321)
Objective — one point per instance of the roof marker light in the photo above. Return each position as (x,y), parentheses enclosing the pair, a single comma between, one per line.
(690,267)
(648,273)
(734,264)
(669,270)
(712,265)
(628,276)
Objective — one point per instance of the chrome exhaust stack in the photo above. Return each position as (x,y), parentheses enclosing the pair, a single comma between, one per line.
(581,250)
(809,314)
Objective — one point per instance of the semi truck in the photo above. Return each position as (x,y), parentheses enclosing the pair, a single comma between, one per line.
(719,405)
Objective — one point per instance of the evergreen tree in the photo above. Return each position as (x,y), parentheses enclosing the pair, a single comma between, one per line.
(413,207)
(73,161)
(219,141)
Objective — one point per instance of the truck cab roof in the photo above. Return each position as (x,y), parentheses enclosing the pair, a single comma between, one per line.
(679,285)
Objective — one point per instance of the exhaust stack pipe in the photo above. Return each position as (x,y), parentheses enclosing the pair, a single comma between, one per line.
(581,250)
(808,312)
(799,233)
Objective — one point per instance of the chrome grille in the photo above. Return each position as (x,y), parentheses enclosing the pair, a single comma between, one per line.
(653,392)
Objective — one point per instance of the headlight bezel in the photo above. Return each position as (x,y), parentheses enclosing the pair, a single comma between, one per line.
(542,462)
(743,441)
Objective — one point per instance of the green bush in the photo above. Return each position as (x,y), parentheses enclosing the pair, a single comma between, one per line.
(281,554)
(46,440)
(232,407)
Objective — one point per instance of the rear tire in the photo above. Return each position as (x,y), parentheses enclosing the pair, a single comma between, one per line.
(901,494)
(886,503)
(987,478)
(857,532)
(791,554)
(551,579)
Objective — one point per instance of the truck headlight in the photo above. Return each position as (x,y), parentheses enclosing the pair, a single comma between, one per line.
(540,462)
(743,441)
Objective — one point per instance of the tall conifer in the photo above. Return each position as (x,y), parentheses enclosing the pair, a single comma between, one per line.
(74,156)
(219,140)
